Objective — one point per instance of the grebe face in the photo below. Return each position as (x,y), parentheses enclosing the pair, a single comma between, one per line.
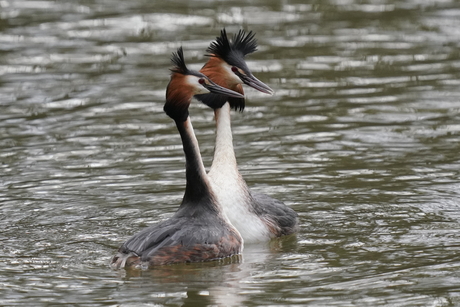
(231,78)
(196,83)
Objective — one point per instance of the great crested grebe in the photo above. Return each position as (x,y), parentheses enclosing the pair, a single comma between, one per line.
(199,230)
(257,217)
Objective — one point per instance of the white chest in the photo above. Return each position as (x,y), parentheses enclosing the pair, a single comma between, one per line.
(233,195)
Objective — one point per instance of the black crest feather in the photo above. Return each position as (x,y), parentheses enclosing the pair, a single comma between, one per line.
(177,59)
(245,43)
(242,44)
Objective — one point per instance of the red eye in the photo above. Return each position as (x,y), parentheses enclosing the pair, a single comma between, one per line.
(234,69)
(201,81)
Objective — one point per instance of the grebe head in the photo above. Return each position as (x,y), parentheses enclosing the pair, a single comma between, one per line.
(233,52)
(186,83)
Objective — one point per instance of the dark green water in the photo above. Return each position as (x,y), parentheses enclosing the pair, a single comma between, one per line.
(362,138)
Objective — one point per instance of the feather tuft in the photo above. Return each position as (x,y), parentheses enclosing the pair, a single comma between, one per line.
(242,43)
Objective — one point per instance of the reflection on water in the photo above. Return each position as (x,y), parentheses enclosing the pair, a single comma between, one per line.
(361,138)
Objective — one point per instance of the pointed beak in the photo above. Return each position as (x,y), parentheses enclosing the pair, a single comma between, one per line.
(217,89)
(258,85)
(253,82)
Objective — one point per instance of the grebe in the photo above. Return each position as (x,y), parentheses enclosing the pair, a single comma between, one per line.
(257,217)
(199,230)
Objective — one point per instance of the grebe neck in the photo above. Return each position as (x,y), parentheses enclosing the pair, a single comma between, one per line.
(197,186)
(224,155)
